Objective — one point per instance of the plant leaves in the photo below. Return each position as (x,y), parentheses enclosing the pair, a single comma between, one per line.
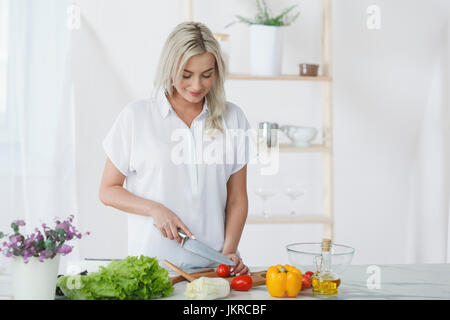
(263,16)
(132,278)
(49,244)
(15,227)
(244,20)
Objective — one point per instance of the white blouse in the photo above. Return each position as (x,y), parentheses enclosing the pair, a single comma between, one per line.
(180,167)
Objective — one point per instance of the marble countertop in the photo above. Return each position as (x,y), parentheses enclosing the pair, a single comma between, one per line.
(366,282)
(359,282)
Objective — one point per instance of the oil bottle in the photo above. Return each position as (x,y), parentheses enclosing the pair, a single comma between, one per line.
(325,281)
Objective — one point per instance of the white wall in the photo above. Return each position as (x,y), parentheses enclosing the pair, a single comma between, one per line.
(381,82)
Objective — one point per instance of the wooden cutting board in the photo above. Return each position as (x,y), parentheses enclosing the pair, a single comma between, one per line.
(259,278)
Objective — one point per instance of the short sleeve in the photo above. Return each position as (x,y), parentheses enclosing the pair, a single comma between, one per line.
(118,142)
(245,147)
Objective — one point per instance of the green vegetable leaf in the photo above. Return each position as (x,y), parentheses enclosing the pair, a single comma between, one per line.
(134,278)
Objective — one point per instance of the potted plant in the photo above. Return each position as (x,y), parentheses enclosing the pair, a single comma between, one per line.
(35,257)
(266,38)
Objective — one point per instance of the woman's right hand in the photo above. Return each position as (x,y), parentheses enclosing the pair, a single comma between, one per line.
(168,223)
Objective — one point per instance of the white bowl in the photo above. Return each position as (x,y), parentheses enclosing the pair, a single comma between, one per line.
(300,136)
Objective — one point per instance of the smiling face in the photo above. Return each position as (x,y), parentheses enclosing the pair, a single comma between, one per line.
(197,78)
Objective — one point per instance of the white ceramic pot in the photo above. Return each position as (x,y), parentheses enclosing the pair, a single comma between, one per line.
(266,49)
(34,280)
(300,136)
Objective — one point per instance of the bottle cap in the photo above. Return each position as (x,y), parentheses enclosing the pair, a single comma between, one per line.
(326,244)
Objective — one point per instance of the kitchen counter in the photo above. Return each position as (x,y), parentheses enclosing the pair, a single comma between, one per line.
(359,282)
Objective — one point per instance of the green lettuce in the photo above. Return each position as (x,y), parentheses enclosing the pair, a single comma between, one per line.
(132,278)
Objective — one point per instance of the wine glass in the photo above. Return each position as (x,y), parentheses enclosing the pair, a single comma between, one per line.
(294,193)
(265,193)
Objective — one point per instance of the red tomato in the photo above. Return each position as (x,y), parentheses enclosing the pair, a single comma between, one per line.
(309,274)
(223,270)
(306,282)
(242,283)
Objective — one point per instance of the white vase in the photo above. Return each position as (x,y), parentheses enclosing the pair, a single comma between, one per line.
(34,280)
(266,49)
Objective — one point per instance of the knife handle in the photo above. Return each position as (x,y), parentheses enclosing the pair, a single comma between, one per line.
(183,237)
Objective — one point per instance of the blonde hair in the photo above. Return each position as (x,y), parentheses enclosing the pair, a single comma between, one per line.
(186,40)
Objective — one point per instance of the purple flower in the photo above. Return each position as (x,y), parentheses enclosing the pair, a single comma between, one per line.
(45,254)
(65,226)
(14,239)
(19,222)
(40,237)
(64,249)
(44,243)
(26,254)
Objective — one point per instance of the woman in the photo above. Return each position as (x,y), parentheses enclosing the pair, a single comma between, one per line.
(165,191)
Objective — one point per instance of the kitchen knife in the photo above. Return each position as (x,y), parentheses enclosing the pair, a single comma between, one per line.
(203,250)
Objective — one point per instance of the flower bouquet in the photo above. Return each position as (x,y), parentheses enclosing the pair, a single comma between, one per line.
(35,256)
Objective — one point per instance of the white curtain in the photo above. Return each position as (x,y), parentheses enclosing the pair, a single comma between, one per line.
(38,181)
(429,211)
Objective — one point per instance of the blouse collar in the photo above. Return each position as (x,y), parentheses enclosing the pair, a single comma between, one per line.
(165,107)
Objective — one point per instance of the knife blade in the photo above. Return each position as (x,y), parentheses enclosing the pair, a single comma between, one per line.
(203,250)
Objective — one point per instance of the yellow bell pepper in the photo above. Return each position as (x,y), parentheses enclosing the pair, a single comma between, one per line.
(282,280)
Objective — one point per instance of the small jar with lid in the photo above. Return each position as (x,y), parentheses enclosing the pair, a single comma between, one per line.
(309,69)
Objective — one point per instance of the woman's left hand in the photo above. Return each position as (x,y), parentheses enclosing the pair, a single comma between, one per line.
(239,268)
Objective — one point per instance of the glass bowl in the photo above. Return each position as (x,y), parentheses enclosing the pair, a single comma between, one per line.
(301,255)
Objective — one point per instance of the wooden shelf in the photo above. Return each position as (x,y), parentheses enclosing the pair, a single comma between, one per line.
(326,82)
(311,148)
(288,148)
(282,77)
(289,219)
